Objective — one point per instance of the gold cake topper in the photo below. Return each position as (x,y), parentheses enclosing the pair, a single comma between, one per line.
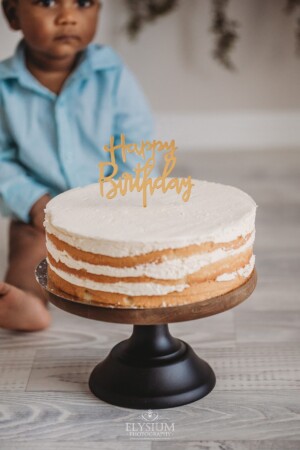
(141,181)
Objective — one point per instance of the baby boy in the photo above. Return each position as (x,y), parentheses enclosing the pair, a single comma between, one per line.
(61,99)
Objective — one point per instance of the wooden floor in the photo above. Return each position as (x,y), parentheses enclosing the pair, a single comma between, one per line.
(254,349)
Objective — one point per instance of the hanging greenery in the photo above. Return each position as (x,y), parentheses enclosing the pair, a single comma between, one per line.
(222,27)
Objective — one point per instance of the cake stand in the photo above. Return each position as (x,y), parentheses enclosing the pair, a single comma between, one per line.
(152,369)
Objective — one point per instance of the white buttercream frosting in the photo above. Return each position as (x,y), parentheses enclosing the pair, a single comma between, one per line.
(169,269)
(122,227)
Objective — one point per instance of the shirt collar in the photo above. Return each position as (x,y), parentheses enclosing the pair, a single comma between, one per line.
(94,58)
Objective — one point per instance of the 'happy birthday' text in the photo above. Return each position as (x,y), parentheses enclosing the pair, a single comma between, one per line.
(142,180)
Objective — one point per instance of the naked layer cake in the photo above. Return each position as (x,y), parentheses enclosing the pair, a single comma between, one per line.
(119,253)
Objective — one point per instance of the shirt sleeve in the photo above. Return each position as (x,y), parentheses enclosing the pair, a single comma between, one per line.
(18,190)
(134,119)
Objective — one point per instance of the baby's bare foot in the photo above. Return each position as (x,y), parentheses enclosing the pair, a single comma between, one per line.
(20,310)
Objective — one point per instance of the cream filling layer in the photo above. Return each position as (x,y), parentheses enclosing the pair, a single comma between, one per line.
(135,289)
(243,271)
(119,287)
(169,269)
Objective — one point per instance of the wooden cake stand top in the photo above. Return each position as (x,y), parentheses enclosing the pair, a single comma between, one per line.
(144,316)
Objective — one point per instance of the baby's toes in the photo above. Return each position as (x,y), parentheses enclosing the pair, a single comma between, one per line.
(4,288)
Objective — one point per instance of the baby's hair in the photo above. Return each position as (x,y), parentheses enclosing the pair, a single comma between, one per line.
(9,9)
(5,3)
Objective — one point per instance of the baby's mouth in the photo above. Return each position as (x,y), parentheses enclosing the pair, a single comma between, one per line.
(67,38)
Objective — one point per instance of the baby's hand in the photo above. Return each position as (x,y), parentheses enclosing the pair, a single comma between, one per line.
(37,214)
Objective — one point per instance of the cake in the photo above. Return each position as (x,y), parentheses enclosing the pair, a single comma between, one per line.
(120,254)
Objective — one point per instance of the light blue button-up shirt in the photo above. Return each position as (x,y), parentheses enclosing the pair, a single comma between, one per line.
(50,143)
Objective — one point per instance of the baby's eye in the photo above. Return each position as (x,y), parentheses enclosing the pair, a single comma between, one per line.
(85,3)
(46,3)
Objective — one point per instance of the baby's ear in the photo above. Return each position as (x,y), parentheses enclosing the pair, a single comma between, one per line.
(10,11)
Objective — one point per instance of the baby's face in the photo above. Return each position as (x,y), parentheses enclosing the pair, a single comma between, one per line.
(57,28)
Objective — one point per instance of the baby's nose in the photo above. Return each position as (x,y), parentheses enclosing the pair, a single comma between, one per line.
(66,16)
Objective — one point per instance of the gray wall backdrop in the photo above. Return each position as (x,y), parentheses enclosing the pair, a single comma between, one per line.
(172,57)
(192,96)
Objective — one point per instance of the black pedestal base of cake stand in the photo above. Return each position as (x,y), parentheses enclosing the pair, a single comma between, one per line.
(151,369)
